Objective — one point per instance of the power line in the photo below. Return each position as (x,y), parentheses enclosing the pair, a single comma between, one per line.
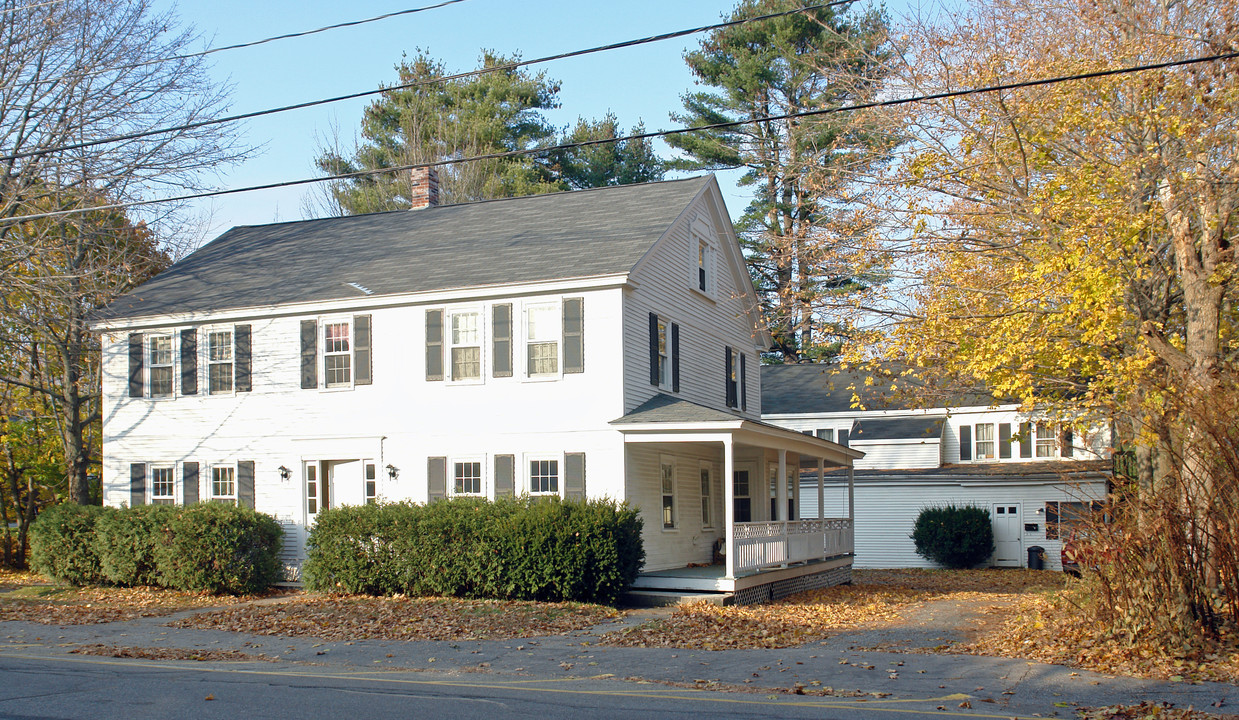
(419,83)
(648,135)
(239,46)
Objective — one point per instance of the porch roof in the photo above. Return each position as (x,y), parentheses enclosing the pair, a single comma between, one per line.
(664,418)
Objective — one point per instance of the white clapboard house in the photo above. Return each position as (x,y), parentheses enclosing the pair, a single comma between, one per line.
(601,343)
(1033,475)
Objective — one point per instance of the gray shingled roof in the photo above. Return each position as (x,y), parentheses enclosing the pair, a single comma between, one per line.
(821,387)
(664,408)
(529,239)
(920,427)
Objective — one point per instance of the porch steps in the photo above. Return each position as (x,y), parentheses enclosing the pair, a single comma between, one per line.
(669,598)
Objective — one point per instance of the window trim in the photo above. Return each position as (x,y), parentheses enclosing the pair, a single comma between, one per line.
(449,344)
(558,459)
(205,359)
(323,322)
(992,456)
(151,497)
(235,496)
(369,480)
(708,519)
(556,305)
(665,461)
(483,487)
(172,365)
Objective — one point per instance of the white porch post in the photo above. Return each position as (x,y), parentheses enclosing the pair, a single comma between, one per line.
(780,489)
(729,505)
(821,491)
(851,509)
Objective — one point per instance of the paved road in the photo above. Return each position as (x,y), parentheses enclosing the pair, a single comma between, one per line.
(545,678)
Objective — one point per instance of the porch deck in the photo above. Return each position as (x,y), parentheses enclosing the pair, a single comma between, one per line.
(713,578)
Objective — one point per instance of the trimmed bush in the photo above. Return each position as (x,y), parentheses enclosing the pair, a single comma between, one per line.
(219,548)
(529,549)
(957,537)
(210,547)
(62,544)
(126,541)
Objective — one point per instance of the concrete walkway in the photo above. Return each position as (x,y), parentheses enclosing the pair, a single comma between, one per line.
(900,682)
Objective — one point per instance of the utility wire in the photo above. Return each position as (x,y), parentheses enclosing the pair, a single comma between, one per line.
(405,86)
(239,46)
(648,135)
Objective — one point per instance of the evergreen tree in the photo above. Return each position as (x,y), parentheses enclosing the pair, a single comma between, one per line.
(616,163)
(801,169)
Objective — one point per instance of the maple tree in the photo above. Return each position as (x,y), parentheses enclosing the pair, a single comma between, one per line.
(1072,244)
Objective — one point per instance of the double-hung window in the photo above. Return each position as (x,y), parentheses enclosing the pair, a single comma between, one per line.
(162,371)
(466,345)
(371,480)
(542,332)
(467,477)
(219,362)
(705,266)
(163,485)
(666,472)
(224,483)
(337,354)
(707,495)
(1047,440)
(985,441)
(543,476)
(664,355)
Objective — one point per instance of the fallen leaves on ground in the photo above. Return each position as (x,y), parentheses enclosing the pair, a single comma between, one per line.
(795,620)
(402,618)
(989,580)
(1148,711)
(10,579)
(158,653)
(1049,628)
(62,605)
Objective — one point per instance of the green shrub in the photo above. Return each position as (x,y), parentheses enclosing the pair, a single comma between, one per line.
(508,549)
(219,548)
(126,543)
(957,537)
(62,544)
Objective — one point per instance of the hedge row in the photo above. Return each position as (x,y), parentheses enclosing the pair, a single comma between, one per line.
(210,547)
(509,549)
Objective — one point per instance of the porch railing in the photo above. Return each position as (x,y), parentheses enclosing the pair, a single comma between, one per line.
(765,544)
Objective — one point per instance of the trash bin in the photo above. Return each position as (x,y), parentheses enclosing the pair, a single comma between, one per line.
(1036,558)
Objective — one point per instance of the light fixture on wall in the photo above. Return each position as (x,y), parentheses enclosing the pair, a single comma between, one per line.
(393,472)
(285,473)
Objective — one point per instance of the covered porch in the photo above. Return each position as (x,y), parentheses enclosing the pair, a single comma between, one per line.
(760,542)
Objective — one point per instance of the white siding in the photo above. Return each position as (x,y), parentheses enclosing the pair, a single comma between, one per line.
(886,512)
(400,419)
(892,454)
(664,285)
(688,542)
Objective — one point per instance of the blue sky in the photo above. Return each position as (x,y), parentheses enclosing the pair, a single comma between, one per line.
(637,84)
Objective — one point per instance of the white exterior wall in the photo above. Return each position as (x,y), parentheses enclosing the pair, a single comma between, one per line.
(689,541)
(886,512)
(665,283)
(1091,443)
(401,419)
(893,454)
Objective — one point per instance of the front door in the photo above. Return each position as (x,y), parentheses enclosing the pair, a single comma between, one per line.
(1008,542)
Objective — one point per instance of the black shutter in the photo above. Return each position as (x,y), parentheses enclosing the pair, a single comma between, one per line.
(654,349)
(241,374)
(965,442)
(137,378)
(363,363)
(434,344)
(189,482)
(574,476)
(843,437)
(574,335)
(1068,442)
(744,384)
(1004,440)
(189,362)
(245,484)
(501,340)
(137,484)
(309,354)
(1026,440)
(436,478)
(729,386)
(675,357)
(505,476)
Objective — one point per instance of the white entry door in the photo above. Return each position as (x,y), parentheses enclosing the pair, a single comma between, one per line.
(1008,542)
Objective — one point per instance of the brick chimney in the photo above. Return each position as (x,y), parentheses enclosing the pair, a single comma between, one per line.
(425,187)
